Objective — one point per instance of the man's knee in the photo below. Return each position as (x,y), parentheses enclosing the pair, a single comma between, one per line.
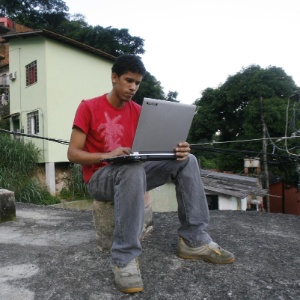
(133,170)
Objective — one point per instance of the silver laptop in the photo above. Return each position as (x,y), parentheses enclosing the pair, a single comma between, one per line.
(161,126)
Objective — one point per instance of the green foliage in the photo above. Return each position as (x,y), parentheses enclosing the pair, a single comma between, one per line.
(53,15)
(76,188)
(207,163)
(66,194)
(224,108)
(235,110)
(35,13)
(18,167)
(172,96)
(110,40)
(4,111)
(149,88)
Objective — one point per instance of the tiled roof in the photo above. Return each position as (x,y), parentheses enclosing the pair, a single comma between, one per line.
(22,28)
(231,184)
(60,38)
(4,47)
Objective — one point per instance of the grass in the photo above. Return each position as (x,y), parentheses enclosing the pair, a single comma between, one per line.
(18,166)
(76,188)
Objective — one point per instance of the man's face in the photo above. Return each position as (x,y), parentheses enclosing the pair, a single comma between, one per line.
(126,85)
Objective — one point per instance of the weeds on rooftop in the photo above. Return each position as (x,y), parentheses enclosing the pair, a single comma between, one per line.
(18,165)
(76,188)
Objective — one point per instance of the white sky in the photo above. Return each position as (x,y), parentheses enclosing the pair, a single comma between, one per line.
(195,44)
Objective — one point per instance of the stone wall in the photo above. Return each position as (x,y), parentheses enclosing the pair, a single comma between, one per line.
(7,206)
(104,221)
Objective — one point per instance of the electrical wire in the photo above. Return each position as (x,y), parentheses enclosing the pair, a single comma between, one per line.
(243,141)
(15,133)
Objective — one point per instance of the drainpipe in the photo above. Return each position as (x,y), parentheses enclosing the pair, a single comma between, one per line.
(283,197)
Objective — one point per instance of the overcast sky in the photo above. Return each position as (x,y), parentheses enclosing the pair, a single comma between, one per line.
(195,44)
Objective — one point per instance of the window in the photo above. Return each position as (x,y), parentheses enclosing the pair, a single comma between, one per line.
(31,73)
(212,201)
(33,122)
(4,80)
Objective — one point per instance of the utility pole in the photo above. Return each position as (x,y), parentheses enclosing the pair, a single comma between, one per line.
(265,157)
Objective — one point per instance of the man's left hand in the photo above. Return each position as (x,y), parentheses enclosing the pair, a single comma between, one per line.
(182,150)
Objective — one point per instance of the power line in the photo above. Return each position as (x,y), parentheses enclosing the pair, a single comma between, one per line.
(253,153)
(15,133)
(192,146)
(243,141)
(277,139)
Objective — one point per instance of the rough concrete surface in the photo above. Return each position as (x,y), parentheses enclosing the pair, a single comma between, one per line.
(51,253)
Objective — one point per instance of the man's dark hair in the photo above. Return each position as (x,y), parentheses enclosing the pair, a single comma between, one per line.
(128,63)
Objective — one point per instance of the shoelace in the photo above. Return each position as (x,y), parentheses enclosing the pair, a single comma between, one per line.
(214,247)
(130,269)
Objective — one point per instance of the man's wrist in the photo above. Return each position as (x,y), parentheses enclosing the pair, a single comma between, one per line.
(103,156)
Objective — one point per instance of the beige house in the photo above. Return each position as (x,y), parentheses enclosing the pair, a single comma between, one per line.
(49,76)
(223,192)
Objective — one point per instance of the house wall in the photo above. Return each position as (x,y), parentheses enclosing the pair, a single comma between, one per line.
(24,99)
(289,197)
(276,197)
(226,203)
(66,75)
(72,75)
(292,201)
(163,199)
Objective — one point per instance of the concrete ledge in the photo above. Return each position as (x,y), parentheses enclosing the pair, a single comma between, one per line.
(7,206)
(104,221)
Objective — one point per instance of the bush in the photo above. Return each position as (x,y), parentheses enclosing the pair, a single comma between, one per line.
(76,186)
(18,166)
(66,194)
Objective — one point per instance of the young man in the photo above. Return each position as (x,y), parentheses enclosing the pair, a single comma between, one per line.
(104,127)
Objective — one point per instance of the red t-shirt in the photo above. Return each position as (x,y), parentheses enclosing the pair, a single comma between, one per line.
(106,127)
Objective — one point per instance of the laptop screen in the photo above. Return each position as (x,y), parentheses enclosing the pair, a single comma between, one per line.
(162,125)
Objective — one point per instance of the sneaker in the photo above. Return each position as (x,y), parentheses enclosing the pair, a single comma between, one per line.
(128,279)
(211,252)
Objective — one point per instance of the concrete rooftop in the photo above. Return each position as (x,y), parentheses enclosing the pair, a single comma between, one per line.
(51,253)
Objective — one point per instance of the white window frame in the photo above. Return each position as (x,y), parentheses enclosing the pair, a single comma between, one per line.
(33,124)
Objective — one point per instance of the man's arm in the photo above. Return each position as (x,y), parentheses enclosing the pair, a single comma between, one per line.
(76,154)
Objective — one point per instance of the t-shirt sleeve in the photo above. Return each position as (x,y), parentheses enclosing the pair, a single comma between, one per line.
(82,117)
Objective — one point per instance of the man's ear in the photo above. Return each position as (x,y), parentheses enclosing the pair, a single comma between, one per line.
(114,78)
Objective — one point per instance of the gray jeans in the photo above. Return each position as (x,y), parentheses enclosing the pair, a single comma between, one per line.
(126,184)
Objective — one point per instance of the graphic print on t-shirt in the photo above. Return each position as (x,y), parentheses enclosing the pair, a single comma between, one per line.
(111,132)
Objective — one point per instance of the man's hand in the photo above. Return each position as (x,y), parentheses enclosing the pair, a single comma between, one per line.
(77,154)
(118,152)
(182,150)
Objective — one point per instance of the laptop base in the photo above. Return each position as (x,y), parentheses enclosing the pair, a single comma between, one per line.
(139,157)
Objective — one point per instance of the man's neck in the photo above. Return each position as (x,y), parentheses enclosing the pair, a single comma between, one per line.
(115,101)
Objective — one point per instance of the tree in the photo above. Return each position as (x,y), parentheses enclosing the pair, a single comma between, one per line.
(149,88)
(172,96)
(224,108)
(35,13)
(110,40)
(233,110)
(53,15)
